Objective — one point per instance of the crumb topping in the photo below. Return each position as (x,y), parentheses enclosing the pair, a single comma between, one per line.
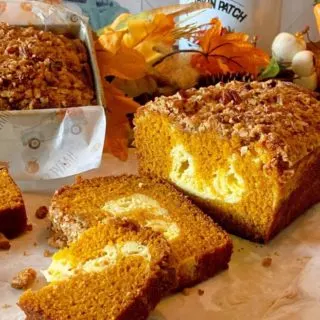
(9,192)
(280,116)
(39,69)
(24,279)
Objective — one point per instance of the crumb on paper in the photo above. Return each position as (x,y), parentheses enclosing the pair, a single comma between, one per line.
(186,291)
(26,253)
(29,227)
(42,212)
(200,292)
(35,244)
(276,253)
(24,279)
(55,242)
(47,253)
(4,242)
(266,262)
(6,306)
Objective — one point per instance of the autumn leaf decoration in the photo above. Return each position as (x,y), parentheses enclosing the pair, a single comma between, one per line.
(130,49)
(125,51)
(222,52)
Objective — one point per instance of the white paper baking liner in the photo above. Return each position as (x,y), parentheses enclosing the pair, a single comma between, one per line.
(51,144)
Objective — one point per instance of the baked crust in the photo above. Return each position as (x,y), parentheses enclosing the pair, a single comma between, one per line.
(13,221)
(269,113)
(13,217)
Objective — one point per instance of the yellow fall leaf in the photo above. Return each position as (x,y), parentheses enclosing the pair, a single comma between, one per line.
(126,49)
(110,41)
(126,63)
(144,36)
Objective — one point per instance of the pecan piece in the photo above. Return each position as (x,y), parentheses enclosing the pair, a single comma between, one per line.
(24,279)
(230,95)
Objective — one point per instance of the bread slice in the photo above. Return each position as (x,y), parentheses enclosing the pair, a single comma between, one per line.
(199,247)
(13,218)
(247,154)
(117,271)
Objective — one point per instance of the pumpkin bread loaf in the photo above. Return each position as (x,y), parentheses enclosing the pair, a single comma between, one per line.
(117,271)
(199,247)
(13,218)
(247,154)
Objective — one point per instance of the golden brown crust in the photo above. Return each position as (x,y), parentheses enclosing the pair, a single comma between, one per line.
(306,195)
(280,116)
(13,218)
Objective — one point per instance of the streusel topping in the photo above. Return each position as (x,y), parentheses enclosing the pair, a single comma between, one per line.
(281,116)
(39,69)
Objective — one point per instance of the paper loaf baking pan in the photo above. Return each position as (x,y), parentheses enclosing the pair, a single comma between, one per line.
(53,144)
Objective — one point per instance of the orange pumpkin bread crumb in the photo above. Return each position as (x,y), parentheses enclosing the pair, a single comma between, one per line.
(116,271)
(247,154)
(199,247)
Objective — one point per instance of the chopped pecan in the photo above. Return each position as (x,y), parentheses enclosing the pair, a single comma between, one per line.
(42,212)
(24,279)
(230,95)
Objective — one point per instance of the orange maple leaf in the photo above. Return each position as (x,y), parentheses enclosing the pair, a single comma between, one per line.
(118,128)
(126,50)
(123,63)
(224,52)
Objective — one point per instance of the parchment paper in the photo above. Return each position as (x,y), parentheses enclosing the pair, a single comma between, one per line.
(51,144)
(288,289)
(47,145)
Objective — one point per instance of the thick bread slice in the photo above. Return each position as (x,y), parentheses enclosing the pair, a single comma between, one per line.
(117,271)
(200,248)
